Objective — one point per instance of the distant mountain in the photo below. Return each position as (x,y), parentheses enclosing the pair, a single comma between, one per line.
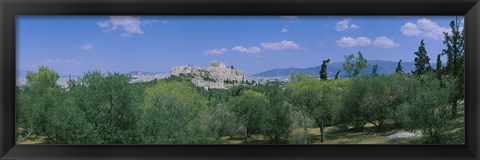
(384,67)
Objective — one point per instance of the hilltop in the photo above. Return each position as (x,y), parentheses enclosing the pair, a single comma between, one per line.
(216,75)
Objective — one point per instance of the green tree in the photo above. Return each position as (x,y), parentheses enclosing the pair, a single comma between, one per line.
(277,121)
(428,109)
(323,70)
(336,74)
(399,69)
(455,42)
(422,61)
(101,96)
(372,99)
(174,113)
(224,121)
(439,68)
(68,125)
(249,109)
(316,98)
(40,94)
(374,70)
(354,65)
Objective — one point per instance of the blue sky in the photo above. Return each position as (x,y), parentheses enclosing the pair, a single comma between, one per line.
(74,45)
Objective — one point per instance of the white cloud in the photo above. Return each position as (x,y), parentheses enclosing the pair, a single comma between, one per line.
(103,24)
(87,46)
(280,45)
(354,26)
(424,28)
(289,17)
(384,42)
(342,25)
(284,30)
(215,51)
(242,49)
(345,24)
(129,24)
(410,29)
(352,42)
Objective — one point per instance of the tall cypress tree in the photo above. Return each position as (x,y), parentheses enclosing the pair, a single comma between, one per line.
(374,70)
(399,69)
(422,61)
(323,70)
(439,68)
(455,42)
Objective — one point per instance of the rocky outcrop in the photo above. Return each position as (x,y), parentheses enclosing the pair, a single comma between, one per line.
(216,75)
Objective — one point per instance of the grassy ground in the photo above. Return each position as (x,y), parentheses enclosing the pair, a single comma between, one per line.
(32,139)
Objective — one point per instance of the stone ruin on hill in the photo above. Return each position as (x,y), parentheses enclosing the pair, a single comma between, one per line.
(216,75)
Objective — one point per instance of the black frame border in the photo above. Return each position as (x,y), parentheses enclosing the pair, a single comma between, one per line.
(11,8)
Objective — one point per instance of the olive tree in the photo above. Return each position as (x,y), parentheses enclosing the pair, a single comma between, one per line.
(249,109)
(428,109)
(34,100)
(110,104)
(276,118)
(315,97)
(373,99)
(174,113)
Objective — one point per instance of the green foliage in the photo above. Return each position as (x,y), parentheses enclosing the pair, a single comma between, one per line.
(181,77)
(44,78)
(36,98)
(224,122)
(373,99)
(354,66)
(336,74)
(374,70)
(174,113)
(399,69)
(455,52)
(439,69)
(316,98)
(422,61)
(276,118)
(68,125)
(428,109)
(250,108)
(100,97)
(323,71)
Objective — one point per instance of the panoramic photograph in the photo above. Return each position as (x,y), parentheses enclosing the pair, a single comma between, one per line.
(234,80)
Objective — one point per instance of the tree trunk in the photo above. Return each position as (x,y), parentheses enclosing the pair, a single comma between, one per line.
(245,135)
(321,126)
(454,110)
(305,130)
(321,133)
